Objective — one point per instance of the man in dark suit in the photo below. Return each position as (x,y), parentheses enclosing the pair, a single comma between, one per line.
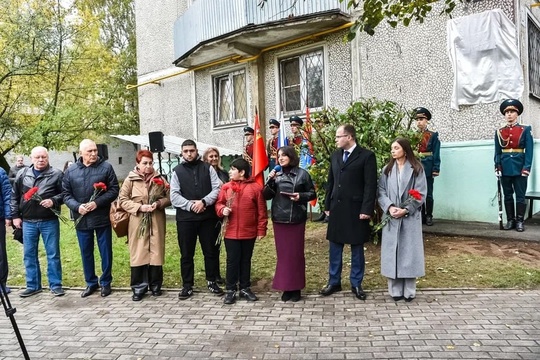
(351,195)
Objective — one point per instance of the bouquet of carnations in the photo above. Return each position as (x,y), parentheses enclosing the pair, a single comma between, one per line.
(99,188)
(32,194)
(158,190)
(234,190)
(413,195)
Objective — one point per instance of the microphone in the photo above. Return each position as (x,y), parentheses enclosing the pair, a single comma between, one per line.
(277,168)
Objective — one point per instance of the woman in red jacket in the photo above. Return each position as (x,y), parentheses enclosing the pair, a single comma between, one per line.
(241,204)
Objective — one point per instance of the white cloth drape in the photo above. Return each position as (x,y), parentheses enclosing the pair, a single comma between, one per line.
(485,59)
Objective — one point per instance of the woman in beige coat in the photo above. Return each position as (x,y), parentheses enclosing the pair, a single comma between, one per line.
(145,195)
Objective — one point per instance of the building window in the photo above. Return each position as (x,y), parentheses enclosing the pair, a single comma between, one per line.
(534,58)
(230,99)
(302,82)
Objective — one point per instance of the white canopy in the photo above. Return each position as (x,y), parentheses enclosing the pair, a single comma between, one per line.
(174,143)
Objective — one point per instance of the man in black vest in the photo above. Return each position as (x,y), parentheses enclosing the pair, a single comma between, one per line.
(194,190)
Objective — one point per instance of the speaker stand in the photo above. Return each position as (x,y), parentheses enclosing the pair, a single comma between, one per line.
(160,167)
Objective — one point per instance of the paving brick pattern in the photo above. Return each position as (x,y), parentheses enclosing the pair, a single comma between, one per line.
(439,324)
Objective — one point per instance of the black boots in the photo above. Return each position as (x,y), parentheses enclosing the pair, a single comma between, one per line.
(429,212)
(513,221)
(520,216)
(510,216)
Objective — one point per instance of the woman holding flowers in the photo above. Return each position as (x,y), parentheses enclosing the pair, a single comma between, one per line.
(402,191)
(241,204)
(145,195)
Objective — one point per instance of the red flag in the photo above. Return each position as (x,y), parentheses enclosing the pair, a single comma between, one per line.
(260,158)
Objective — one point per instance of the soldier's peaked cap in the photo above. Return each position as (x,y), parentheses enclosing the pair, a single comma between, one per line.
(249,130)
(296,119)
(274,122)
(423,111)
(511,104)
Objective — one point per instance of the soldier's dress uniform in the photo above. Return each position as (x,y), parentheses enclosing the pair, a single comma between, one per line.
(301,144)
(513,159)
(272,146)
(248,149)
(429,150)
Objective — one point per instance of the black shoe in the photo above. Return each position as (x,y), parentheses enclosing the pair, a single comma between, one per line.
(214,288)
(429,220)
(327,219)
(137,297)
(359,292)
(329,290)
(58,291)
(409,299)
(286,296)
(320,218)
(510,224)
(296,296)
(30,292)
(185,292)
(157,292)
(230,297)
(89,291)
(519,226)
(106,290)
(398,298)
(248,294)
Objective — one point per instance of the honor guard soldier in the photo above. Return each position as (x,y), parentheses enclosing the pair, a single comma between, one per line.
(248,149)
(296,124)
(272,143)
(429,151)
(513,160)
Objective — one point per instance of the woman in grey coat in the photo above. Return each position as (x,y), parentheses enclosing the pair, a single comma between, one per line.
(402,248)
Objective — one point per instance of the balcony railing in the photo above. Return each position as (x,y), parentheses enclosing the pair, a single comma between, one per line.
(209,19)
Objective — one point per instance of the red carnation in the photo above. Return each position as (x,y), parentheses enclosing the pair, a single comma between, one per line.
(158,181)
(30,193)
(100,186)
(415,194)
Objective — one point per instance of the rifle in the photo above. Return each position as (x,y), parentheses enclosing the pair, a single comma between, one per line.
(499,199)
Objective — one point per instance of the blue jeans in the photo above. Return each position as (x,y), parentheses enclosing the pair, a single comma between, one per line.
(50,233)
(336,264)
(86,244)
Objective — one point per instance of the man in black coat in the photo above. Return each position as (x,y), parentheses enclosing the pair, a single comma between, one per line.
(79,187)
(350,199)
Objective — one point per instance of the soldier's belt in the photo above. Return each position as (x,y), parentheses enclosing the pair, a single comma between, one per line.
(513,150)
(426,154)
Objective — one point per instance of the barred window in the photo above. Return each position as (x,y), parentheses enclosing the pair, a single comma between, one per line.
(302,82)
(230,99)
(534,58)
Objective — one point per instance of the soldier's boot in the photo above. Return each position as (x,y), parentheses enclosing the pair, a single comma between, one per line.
(423,213)
(510,215)
(429,212)
(520,210)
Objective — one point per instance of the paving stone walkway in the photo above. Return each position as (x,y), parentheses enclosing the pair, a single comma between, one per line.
(439,324)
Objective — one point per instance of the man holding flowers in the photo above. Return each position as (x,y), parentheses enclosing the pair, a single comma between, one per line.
(89,187)
(36,198)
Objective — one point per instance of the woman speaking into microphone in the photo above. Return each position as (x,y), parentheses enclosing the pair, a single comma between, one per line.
(290,189)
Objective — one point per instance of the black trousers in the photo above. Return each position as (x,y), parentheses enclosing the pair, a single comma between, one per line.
(146,276)
(514,184)
(3,253)
(239,253)
(188,231)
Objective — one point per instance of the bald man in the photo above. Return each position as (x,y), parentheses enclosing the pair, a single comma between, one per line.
(78,186)
(37,217)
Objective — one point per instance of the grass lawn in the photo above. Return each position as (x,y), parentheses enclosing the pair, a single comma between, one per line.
(450,263)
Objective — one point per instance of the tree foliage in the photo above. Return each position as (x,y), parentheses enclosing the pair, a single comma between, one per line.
(63,70)
(395,12)
(378,123)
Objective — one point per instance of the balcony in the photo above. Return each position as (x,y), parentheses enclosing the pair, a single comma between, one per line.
(211,30)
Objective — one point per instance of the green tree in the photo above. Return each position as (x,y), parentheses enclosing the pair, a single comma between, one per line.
(378,123)
(395,12)
(63,69)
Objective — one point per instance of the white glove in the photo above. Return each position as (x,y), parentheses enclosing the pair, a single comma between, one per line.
(498,173)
